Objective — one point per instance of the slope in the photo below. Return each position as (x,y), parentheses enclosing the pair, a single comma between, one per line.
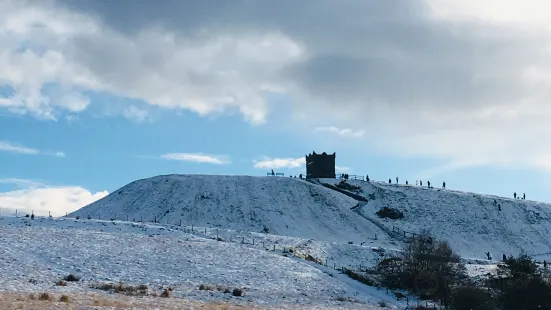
(283,206)
(471,222)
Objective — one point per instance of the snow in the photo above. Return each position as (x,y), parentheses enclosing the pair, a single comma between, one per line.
(39,252)
(235,231)
(285,206)
(470,222)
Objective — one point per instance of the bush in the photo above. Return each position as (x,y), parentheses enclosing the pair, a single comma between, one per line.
(428,269)
(45,296)
(359,277)
(348,187)
(237,292)
(467,298)
(165,293)
(390,213)
(64,298)
(524,285)
(121,288)
(61,283)
(382,304)
(71,278)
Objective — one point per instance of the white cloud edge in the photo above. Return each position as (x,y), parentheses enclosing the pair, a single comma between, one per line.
(43,199)
(344,132)
(266,162)
(17,148)
(199,158)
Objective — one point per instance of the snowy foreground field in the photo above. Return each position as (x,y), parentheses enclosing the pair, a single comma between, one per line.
(38,253)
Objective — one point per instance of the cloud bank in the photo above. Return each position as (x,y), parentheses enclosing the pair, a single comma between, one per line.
(460,81)
(43,199)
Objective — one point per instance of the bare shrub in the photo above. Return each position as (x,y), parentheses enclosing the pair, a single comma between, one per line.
(237,292)
(64,298)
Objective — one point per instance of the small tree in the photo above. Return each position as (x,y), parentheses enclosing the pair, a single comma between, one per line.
(521,285)
(425,265)
(468,298)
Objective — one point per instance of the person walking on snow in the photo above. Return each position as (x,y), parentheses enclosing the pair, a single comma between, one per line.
(515,195)
(428,184)
(489,256)
(444,184)
(524,196)
(420,183)
(544,265)
(396,180)
(406,182)
(389,181)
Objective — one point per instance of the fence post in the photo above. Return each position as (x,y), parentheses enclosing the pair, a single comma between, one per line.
(180,222)
(205,231)
(274,247)
(253,241)
(155,220)
(141,218)
(243,240)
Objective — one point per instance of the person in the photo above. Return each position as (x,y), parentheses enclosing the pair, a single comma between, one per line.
(544,265)
(389,181)
(444,184)
(406,182)
(515,195)
(420,183)
(428,184)
(498,207)
(524,196)
(504,257)
(367,178)
(488,254)
(273,172)
(396,180)
(416,182)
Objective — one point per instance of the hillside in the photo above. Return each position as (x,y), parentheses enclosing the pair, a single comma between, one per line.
(284,206)
(471,222)
(158,256)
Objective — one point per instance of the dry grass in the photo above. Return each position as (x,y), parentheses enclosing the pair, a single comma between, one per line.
(104,301)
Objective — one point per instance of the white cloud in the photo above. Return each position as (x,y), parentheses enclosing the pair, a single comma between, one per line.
(339,169)
(341,132)
(11,147)
(41,199)
(16,148)
(427,77)
(278,163)
(136,114)
(197,158)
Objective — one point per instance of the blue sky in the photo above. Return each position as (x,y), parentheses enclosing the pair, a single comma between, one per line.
(133,91)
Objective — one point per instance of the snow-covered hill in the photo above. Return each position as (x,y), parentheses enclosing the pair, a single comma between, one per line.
(38,253)
(471,222)
(284,206)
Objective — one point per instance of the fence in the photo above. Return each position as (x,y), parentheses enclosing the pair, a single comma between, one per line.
(409,235)
(278,174)
(351,177)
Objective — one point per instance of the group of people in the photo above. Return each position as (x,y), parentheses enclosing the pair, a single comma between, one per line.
(417,182)
(518,197)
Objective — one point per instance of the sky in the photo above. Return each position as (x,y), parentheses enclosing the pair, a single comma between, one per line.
(97,94)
